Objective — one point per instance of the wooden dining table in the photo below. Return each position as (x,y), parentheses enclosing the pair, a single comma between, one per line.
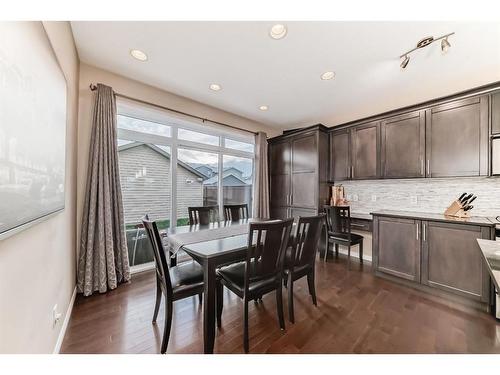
(210,255)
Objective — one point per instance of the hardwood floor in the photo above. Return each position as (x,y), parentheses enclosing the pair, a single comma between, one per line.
(356,313)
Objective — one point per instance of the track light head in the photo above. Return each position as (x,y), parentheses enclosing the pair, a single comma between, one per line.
(445,45)
(405,62)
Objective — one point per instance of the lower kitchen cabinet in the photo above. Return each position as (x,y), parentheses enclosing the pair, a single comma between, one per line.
(439,256)
(451,260)
(398,247)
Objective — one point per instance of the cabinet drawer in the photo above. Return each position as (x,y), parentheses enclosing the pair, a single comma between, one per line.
(361,224)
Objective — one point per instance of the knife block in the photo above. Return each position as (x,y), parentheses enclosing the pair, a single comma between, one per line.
(456,210)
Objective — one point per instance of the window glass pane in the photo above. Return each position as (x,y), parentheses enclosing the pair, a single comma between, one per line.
(145,183)
(237,181)
(143,126)
(192,136)
(237,145)
(197,181)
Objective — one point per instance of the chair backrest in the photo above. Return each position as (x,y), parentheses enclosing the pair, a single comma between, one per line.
(162,270)
(338,219)
(306,239)
(267,243)
(203,215)
(235,212)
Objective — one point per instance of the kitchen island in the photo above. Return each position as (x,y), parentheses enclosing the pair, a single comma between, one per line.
(434,253)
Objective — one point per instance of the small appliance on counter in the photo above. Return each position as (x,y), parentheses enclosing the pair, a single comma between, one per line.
(462,206)
(337,197)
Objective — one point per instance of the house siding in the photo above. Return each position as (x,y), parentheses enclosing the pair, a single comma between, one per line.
(145,182)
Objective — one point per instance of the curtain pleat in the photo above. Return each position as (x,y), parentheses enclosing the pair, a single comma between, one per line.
(103,261)
(261,186)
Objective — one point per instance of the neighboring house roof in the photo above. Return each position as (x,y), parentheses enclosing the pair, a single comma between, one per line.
(206,170)
(228,179)
(163,153)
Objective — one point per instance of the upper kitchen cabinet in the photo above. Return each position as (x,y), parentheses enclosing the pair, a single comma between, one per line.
(340,167)
(365,155)
(403,145)
(457,138)
(495,112)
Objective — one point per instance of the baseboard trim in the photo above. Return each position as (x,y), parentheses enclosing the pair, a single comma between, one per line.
(62,333)
(353,254)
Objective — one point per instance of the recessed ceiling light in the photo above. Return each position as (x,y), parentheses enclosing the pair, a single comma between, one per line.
(138,54)
(263,107)
(278,31)
(215,87)
(327,75)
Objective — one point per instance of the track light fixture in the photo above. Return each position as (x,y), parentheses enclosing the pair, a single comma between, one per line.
(445,45)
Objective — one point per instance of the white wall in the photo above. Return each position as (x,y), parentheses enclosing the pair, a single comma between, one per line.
(37,266)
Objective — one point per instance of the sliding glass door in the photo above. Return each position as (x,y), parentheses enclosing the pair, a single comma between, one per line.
(213,167)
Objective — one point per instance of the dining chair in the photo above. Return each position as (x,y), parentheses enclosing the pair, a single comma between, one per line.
(301,256)
(260,273)
(203,215)
(175,282)
(338,223)
(235,212)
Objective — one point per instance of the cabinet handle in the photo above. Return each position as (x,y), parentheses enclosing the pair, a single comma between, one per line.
(422,172)
(416,224)
(352,171)
(423,234)
(428,167)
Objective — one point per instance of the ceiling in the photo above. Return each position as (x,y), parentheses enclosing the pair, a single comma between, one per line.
(254,69)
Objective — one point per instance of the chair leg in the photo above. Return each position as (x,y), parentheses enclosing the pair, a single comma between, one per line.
(361,252)
(200,298)
(168,325)
(220,302)
(245,326)
(327,246)
(279,305)
(291,316)
(312,287)
(158,300)
(349,257)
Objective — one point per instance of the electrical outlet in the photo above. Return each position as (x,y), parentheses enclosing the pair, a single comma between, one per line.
(413,199)
(355,197)
(56,316)
(349,197)
(374,198)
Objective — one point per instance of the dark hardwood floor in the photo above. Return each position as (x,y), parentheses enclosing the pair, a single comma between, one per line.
(356,313)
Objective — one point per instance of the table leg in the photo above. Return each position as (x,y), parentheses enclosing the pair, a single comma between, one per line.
(209,307)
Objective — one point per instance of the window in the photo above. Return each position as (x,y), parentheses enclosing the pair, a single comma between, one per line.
(146,148)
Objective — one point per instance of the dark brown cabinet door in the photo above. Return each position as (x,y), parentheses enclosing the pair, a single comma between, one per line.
(304,178)
(296,212)
(451,259)
(397,244)
(280,190)
(280,157)
(304,154)
(365,151)
(457,138)
(279,213)
(339,156)
(495,113)
(403,145)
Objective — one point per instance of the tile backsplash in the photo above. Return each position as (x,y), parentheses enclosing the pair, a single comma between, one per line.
(423,194)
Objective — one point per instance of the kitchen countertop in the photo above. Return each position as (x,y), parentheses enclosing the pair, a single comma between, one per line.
(361,215)
(491,254)
(475,220)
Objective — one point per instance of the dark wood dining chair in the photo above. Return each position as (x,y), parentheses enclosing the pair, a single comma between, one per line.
(260,273)
(175,283)
(235,212)
(338,223)
(301,257)
(203,215)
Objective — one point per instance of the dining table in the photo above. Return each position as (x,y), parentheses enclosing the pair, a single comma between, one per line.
(211,254)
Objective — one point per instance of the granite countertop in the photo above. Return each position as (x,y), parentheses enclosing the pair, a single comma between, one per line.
(476,220)
(361,215)
(491,254)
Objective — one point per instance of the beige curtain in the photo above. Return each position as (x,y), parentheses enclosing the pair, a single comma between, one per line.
(103,260)
(261,186)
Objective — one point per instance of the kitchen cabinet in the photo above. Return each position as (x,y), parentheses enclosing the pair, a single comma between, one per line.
(398,245)
(365,140)
(495,113)
(340,166)
(451,260)
(457,141)
(298,172)
(433,253)
(403,145)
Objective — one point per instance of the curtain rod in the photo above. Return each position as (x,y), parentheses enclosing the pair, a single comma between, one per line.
(94,87)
